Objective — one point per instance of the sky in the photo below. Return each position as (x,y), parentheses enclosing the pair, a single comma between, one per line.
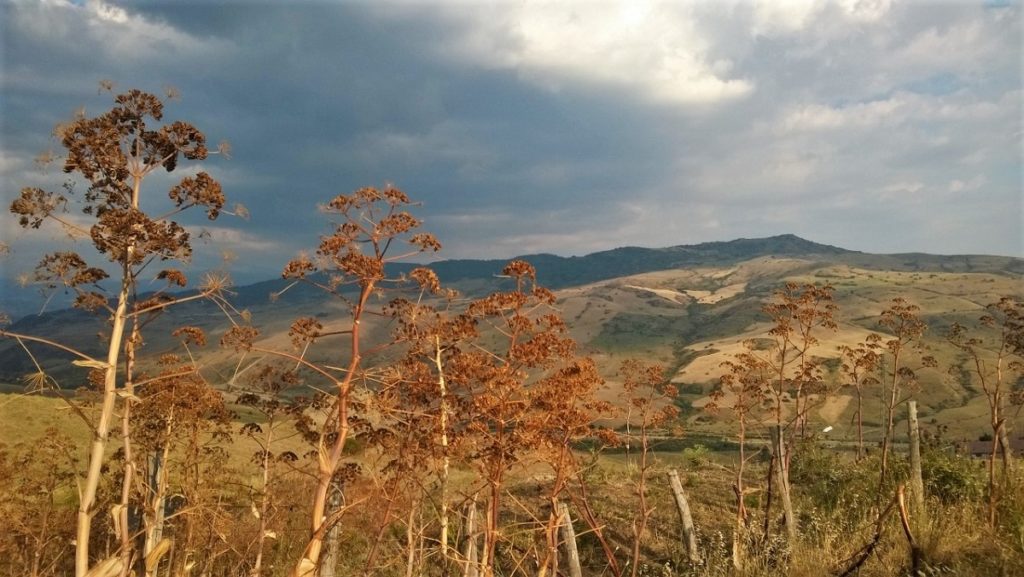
(563,127)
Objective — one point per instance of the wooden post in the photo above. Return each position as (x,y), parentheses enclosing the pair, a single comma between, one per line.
(329,561)
(782,481)
(916,481)
(689,533)
(1006,450)
(569,539)
(469,553)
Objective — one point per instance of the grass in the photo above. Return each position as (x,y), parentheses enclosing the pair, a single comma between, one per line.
(613,321)
(25,417)
(833,495)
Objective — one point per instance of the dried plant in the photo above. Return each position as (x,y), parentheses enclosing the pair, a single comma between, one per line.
(996,363)
(350,265)
(649,400)
(903,322)
(858,365)
(114,153)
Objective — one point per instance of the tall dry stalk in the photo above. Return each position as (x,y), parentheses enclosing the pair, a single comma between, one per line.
(903,322)
(113,154)
(350,266)
(996,363)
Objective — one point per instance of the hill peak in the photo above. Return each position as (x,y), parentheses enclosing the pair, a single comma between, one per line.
(782,244)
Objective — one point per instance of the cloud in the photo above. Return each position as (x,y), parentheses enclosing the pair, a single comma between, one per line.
(562,127)
(969,185)
(653,50)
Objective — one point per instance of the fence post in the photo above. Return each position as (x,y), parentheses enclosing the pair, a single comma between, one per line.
(569,538)
(782,480)
(469,548)
(689,533)
(916,481)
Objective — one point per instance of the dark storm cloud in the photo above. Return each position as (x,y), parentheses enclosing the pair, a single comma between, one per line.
(562,128)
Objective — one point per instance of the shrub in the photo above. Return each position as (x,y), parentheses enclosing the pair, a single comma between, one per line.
(697,456)
(952,478)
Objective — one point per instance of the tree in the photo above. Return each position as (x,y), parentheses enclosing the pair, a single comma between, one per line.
(418,396)
(34,474)
(114,153)
(181,423)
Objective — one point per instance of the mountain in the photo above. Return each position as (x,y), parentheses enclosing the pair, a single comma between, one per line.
(686,307)
(560,272)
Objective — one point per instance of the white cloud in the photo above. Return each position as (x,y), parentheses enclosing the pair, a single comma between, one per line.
(791,17)
(903,188)
(815,117)
(866,10)
(861,123)
(658,51)
(107,31)
(969,185)
(786,16)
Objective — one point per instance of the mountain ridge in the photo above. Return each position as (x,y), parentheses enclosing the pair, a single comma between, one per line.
(558,272)
(687,308)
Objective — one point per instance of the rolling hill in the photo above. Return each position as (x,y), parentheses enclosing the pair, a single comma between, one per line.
(686,307)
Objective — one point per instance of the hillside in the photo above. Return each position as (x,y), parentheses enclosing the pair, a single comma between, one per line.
(687,307)
(692,320)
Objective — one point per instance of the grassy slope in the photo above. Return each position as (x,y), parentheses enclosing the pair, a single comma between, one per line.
(687,319)
(643,316)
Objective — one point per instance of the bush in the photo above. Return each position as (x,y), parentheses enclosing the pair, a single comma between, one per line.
(697,456)
(952,478)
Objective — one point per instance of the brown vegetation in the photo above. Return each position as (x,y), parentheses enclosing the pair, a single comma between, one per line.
(372,456)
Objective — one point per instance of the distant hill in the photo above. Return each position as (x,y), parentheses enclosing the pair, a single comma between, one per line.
(560,272)
(478,276)
(686,307)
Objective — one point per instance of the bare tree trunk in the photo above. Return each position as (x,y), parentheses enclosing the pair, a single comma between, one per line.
(916,481)
(782,481)
(569,538)
(329,460)
(769,493)
(472,562)
(738,531)
(582,503)
(549,565)
(154,517)
(491,529)
(739,488)
(158,487)
(689,533)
